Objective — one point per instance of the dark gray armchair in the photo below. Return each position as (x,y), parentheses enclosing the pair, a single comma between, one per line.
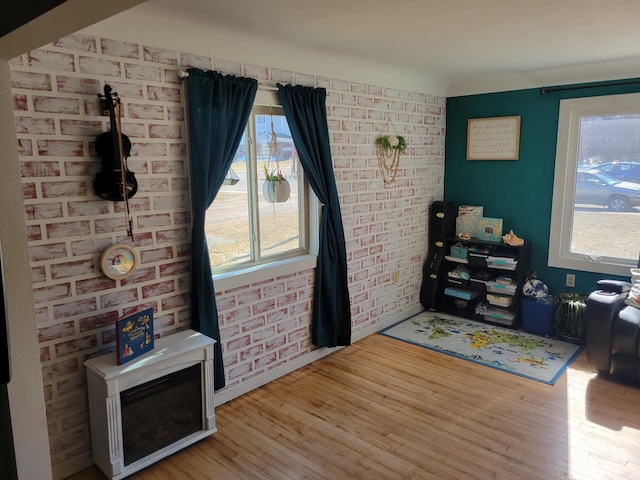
(612,332)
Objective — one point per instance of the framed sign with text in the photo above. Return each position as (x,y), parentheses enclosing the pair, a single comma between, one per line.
(496,138)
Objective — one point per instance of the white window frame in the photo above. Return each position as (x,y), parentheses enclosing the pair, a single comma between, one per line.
(246,274)
(571,110)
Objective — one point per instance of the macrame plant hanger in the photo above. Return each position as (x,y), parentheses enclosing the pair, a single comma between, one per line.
(273,150)
(388,161)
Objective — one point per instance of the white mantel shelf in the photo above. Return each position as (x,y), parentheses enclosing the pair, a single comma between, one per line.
(106,380)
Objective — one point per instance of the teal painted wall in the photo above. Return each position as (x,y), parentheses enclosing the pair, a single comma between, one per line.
(518,191)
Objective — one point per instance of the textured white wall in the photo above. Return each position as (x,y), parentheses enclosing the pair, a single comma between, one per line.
(265,325)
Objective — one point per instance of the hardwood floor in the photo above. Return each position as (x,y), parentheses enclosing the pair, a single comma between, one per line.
(383,409)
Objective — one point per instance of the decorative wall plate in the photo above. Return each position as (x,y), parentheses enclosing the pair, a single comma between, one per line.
(119,261)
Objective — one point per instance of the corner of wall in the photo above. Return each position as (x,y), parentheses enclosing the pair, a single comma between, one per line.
(26,396)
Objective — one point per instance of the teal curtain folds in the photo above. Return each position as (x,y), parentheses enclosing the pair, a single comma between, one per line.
(218,108)
(306,112)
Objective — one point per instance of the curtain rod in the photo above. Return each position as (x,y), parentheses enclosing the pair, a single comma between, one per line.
(544,90)
(182,74)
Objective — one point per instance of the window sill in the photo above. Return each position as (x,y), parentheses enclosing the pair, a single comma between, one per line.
(586,263)
(260,273)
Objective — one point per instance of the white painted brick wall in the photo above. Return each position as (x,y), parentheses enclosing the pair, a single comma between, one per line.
(263,325)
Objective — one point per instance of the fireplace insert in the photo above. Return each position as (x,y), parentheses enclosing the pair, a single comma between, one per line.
(160,412)
(153,406)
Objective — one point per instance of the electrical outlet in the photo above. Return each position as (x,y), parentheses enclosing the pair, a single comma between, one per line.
(395,276)
(571,280)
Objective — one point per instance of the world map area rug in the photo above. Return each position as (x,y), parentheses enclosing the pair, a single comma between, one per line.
(513,351)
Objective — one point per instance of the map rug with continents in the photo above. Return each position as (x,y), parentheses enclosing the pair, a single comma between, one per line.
(532,356)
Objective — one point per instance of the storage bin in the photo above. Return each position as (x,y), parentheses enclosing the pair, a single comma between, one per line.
(500,300)
(460,293)
(458,251)
(538,317)
(499,315)
(495,287)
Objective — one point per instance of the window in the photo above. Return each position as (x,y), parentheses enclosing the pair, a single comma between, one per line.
(596,201)
(252,222)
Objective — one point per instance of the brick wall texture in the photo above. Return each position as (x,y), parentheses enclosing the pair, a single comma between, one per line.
(263,325)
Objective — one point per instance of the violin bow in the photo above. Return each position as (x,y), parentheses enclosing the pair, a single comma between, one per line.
(127,213)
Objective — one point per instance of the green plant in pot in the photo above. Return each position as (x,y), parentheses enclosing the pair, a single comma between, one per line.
(569,316)
(391,143)
(275,188)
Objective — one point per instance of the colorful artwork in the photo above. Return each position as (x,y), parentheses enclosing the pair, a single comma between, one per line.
(489,229)
(134,335)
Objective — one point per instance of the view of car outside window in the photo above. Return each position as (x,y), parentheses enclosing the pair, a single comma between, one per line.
(606,216)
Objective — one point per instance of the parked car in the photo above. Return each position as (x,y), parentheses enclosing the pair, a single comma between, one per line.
(597,188)
(626,171)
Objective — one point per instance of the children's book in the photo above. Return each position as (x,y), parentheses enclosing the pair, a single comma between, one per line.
(134,335)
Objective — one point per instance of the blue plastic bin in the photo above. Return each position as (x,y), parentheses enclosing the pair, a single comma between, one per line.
(538,317)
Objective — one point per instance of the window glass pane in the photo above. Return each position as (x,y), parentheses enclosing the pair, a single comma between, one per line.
(259,213)
(606,212)
(227,219)
(279,201)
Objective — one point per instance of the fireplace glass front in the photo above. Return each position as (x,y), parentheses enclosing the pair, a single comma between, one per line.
(158,413)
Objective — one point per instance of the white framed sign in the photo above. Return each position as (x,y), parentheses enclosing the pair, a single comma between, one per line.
(495,138)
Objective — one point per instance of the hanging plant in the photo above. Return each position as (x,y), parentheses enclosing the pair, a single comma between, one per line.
(275,188)
(391,143)
(389,148)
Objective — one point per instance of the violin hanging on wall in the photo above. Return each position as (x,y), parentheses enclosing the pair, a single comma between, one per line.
(114,148)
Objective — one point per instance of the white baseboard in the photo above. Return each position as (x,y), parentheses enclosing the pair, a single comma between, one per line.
(236,391)
(376,327)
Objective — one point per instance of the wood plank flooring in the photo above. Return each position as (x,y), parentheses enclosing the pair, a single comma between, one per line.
(383,409)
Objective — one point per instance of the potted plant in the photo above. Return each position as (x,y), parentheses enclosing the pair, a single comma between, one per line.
(569,316)
(275,188)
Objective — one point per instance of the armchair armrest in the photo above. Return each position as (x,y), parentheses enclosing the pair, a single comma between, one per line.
(613,286)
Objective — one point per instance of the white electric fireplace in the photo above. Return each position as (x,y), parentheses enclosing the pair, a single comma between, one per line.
(153,406)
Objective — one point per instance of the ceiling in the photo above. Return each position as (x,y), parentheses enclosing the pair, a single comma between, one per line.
(461,42)
(469,45)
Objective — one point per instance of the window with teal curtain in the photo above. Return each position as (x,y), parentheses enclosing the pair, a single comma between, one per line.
(218,107)
(306,112)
